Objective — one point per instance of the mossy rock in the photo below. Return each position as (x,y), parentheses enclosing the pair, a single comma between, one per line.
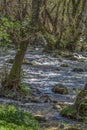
(58,69)
(39,117)
(60,88)
(73,58)
(64,65)
(81,60)
(10,61)
(78,70)
(33,63)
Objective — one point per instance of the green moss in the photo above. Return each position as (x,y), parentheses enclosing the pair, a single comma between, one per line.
(14,119)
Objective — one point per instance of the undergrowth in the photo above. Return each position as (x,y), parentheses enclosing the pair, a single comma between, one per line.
(14,119)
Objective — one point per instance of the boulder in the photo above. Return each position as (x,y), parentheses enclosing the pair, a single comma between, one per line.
(10,61)
(64,65)
(40,117)
(60,88)
(78,70)
(58,69)
(74,58)
(57,107)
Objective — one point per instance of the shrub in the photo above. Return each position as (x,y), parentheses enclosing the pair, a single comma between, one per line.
(14,119)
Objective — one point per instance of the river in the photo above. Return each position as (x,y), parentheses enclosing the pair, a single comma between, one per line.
(42,74)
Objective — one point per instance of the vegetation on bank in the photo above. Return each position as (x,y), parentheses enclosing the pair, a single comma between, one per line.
(14,119)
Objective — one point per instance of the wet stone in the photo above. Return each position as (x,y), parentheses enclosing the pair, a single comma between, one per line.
(40,117)
(60,88)
(64,65)
(78,70)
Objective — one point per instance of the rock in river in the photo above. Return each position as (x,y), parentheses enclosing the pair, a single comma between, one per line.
(39,117)
(78,70)
(60,88)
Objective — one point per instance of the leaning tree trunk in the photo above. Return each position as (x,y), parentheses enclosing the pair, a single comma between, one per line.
(13,80)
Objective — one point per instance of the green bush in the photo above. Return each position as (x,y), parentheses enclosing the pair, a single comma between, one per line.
(14,119)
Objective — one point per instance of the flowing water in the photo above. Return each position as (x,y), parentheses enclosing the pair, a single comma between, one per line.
(44,72)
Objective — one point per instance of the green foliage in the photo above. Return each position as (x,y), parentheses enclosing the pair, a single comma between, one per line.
(51,40)
(10,29)
(4,36)
(14,119)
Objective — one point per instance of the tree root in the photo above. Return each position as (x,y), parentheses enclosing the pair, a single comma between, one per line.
(14,93)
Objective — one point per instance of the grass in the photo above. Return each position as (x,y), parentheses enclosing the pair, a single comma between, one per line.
(14,119)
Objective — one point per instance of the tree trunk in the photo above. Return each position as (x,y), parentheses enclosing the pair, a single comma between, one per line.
(81,96)
(13,79)
(36,4)
(81,104)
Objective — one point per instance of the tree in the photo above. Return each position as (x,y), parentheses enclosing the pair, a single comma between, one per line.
(25,35)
